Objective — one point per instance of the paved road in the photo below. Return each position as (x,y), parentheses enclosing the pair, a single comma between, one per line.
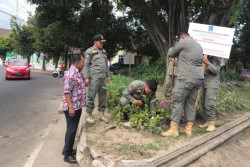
(26,109)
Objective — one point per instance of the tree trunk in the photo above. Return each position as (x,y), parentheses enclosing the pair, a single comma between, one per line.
(177,21)
(56,59)
(28,59)
(152,24)
(43,65)
(217,13)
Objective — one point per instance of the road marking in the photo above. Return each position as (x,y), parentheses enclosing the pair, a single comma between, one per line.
(29,162)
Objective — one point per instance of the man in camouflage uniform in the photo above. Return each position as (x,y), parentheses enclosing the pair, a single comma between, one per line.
(239,67)
(171,76)
(96,74)
(135,92)
(190,76)
(210,88)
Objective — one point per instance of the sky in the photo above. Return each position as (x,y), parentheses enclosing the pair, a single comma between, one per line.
(19,8)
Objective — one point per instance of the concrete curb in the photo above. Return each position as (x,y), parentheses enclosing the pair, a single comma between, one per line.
(82,153)
(179,157)
(85,155)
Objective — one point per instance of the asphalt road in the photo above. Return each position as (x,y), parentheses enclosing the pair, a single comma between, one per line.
(26,109)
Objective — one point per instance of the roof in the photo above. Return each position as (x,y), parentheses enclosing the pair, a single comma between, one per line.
(4,31)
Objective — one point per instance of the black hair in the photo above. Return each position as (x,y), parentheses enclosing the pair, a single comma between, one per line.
(183,33)
(152,85)
(76,58)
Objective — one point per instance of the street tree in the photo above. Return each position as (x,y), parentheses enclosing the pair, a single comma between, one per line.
(163,19)
(4,46)
(23,39)
(244,41)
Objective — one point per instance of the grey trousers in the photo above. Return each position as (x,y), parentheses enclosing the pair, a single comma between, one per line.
(168,92)
(209,102)
(124,101)
(185,93)
(96,86)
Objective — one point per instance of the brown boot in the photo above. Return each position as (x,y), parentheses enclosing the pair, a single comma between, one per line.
(188,129)
(102,117)
(89,118)
(205,125)
(173,131)
(211,126)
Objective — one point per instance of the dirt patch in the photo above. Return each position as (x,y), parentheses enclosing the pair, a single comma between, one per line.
(235,152)
(121,143)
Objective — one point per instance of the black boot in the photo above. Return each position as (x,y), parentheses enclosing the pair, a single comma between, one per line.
(70,159)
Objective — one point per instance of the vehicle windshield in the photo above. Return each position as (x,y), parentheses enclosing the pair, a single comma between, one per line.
(18,63)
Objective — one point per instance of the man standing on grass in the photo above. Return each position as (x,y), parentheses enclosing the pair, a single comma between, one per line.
(96,74)
(73,100)
(209,91)
(190,76)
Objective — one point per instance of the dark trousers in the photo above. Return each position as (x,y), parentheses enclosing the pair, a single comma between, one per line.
(72,124)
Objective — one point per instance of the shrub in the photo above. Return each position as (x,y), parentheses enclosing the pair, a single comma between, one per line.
(139,117)
(156,71)
(227,102)
(225,76)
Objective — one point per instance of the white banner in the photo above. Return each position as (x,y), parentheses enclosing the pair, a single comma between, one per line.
(215,40)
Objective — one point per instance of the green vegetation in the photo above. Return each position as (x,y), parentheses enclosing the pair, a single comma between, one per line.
(225,77)
(129,149)
(244,93)
(156,71)
(228,101)
(140,118)
(92,127)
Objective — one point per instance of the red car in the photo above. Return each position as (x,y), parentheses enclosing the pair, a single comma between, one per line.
(245,73)
(17,68)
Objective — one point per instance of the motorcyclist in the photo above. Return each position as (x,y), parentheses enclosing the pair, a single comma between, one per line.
(62,68)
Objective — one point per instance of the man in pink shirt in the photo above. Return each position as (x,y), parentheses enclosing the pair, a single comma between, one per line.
(73,100)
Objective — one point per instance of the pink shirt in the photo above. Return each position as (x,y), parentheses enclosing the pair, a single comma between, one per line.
(74,85)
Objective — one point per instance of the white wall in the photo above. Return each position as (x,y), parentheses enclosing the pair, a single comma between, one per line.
(125,57)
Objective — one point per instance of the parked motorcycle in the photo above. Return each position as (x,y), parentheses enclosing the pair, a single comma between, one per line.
(58,72)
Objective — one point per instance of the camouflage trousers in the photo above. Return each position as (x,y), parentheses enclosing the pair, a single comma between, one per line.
(169,83)
(209,102)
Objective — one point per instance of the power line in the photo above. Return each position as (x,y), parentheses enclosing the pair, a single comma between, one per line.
(15,7)
(19,4)
(11,15)
(5,3)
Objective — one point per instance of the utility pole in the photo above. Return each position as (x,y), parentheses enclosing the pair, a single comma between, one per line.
(16,8)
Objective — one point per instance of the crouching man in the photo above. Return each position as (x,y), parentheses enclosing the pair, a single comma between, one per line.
(135,91)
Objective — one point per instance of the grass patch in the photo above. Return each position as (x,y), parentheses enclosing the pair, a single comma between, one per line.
(199,131)
(161,143)
(129,150)
(91,128)
(244,93)
(91,142)
(150,146)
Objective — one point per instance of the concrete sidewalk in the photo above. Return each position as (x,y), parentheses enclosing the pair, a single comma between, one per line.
(49,152)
